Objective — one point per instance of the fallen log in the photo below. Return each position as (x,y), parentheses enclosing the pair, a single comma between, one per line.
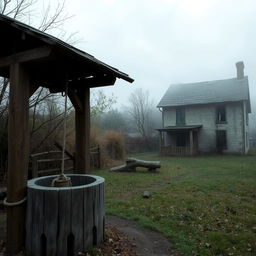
(133,163)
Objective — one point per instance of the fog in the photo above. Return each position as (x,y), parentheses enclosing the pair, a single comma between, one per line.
(160,42)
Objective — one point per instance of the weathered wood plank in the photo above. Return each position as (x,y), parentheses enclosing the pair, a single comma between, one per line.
(94,81)
(132,163)
(51,212)
(52,160)
(77,219)
(64,223)
(45,153)
(76,101)
(37,220)
(88,216)
(96,217)
(101,211)
(18,156)
(26,56)
(29,220)
(82,121)
(58,145)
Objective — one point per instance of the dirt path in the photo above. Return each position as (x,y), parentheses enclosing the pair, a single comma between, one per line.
(148,243)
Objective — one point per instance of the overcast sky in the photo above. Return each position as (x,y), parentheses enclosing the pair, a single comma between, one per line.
(161,42)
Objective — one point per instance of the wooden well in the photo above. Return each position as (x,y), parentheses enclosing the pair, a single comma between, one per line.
(67,220)
(29,59)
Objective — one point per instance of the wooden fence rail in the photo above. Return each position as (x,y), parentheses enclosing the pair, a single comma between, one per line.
(49,162)
(177,151)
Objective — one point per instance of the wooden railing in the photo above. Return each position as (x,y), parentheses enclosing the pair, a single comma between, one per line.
(49,162)
(177,151)
(95,157)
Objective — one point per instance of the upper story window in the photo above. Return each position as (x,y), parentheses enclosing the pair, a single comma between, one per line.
(221,114)
(180,116)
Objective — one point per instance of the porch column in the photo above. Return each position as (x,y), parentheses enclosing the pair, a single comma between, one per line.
(191,144)
(18,156)
(160,142)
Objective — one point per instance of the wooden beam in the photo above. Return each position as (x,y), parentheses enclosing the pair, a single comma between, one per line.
(32,89)
(82,120)
(94,81)
(18,156)
(26,56)
(76,101)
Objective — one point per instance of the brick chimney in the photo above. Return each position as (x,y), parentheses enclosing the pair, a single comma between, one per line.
(240,70)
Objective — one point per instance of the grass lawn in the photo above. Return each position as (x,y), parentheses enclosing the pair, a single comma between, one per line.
(203,205)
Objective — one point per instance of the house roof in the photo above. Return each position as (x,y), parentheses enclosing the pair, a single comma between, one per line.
(62,59)
(218,91)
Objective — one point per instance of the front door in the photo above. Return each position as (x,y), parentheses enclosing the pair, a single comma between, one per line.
(181,139)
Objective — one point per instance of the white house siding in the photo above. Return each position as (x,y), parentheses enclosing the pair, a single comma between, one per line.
(169,116)
(246,127)
(203,115)
(235,128)
(206,115)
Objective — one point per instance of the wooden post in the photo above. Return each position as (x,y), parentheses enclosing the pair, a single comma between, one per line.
(160,141)
(18,156)
(191,144)
(83,131)
(99,156)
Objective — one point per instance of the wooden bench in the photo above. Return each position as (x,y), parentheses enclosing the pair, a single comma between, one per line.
(133,163)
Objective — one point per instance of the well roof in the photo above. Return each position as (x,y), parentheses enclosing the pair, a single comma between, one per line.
(63,58)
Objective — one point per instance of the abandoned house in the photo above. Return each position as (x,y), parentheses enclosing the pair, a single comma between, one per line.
(206,117)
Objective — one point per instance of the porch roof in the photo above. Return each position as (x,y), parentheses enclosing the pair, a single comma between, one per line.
(179,128)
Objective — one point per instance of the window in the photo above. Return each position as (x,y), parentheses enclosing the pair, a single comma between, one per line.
(180,116)
(221,140)
(221,114)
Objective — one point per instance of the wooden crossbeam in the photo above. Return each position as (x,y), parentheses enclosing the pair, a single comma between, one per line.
(76,101)
(26,56)
(94,81)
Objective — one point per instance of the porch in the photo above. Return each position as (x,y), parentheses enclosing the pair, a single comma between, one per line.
(179,140)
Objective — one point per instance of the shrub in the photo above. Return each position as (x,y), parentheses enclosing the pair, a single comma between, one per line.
(112,145)
(139,144)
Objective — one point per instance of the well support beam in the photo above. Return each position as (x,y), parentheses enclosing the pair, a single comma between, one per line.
(82,116)
(18,156)
(26,56)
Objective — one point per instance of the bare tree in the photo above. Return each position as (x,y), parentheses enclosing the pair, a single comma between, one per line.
(140,108)
(53,16)
(100,102)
